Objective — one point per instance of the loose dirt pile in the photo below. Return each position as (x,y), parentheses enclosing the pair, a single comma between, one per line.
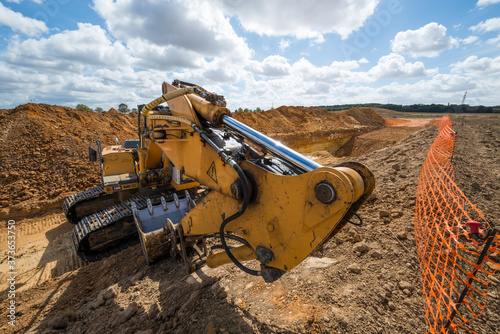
(311,129)
(44,153)
(365,280)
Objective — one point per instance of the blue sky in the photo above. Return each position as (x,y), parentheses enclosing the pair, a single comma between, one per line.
(258,53)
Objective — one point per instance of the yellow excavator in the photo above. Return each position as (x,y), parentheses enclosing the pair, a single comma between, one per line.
(197,176)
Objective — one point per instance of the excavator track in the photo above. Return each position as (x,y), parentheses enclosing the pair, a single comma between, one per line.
(69,205)
(98,234)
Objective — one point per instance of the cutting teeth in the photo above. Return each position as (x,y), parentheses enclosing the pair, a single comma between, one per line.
(134,208)
(164,203)
(176,200)
(191,203)
(150,207)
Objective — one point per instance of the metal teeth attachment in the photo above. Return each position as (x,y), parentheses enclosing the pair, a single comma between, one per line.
(134,209)
(176,201)
(191,203)
(164,203)
(150,207)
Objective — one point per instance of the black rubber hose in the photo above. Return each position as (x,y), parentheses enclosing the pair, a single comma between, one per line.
(246,198)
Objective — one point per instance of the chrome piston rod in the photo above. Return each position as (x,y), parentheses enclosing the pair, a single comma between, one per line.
(270,144)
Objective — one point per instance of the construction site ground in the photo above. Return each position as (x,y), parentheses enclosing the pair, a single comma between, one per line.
(364,280)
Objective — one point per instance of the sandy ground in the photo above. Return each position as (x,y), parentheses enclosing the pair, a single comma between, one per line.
(352,285)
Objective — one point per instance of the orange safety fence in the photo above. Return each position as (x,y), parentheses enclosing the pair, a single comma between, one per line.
(456,263)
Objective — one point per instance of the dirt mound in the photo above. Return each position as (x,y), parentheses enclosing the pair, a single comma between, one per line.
(410,122)
(43,152)
(312,129)
(286,120)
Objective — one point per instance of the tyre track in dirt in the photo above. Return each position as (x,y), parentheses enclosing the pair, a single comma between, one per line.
(44,250)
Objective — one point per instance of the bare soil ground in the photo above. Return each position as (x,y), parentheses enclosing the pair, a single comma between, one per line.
(365,280)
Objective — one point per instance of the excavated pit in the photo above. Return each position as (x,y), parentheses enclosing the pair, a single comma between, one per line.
(329,137)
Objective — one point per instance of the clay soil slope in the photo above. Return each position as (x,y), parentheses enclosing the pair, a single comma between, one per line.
(44,153)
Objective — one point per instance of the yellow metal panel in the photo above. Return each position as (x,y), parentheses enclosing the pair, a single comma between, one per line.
(286,217)
(242,253)
(117,162)
(181,106)
(200,162)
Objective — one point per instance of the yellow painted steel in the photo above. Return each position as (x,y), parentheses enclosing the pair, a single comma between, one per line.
(286,217)
(117,161)
(242,253)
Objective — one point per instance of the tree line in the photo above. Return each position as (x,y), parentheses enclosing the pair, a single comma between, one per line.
(122,107)
(418,108)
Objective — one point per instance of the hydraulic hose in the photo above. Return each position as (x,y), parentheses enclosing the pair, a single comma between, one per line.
(170,118)
(246,199)
(146,110)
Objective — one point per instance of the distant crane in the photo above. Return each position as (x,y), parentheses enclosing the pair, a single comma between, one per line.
(461,107)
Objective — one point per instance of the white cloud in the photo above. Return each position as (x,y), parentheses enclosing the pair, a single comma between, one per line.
(395,66)
(272,66)
(284,44)
(488,25)
(494,41)
(337,71)
(302,19)
(470,40)
(478,67)
(196,28)
(427,41)
(484,3)
(18,22)
(19,1)
(70,50)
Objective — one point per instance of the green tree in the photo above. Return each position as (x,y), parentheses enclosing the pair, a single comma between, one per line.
(123,108)
(258,109)
(82,107)
(134,109)
(98,109)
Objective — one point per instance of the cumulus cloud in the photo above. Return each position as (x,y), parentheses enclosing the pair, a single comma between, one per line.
(478,67)
(337,71)
(488,25)
(71,50)
(20,23)
(484,3)
(427,41)
(395,66)
(272,66)
(174,27)
(302,19)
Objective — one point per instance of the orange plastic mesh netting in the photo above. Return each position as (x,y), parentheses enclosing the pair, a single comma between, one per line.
(455,262)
